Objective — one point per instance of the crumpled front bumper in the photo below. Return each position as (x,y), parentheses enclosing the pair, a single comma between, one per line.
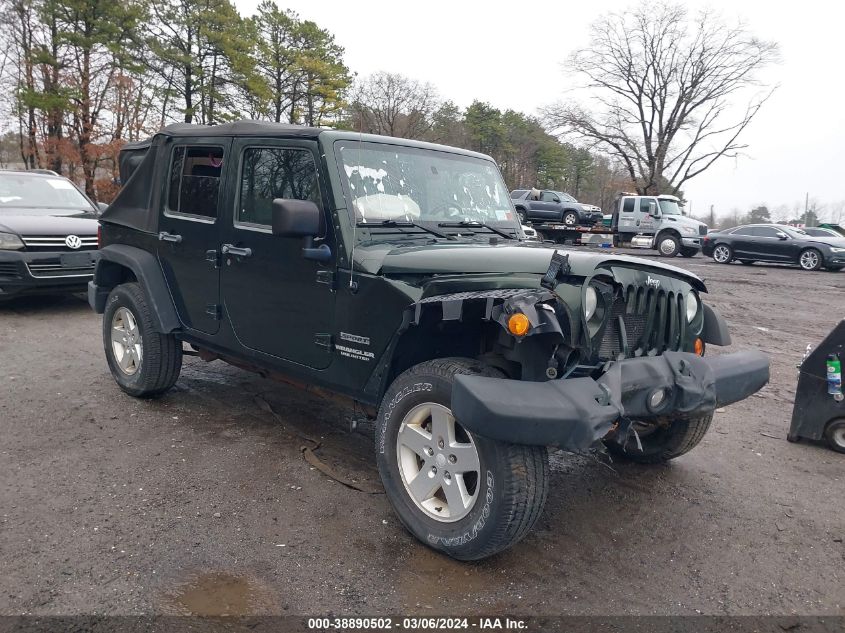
(576,412)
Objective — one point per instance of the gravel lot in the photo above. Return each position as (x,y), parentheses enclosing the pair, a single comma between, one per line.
(202,502)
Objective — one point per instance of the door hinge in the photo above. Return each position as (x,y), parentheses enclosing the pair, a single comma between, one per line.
(213,310)
(326,277)
(323,340)
(213,257)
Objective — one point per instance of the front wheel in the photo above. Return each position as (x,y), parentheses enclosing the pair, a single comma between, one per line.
(810,259)
(142,361)
(662,442)
(463,494)
(570,218)
(688,251)
(668,245)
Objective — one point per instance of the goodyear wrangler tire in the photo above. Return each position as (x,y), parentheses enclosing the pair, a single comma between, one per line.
(465,495)
(661,444)
(142,361)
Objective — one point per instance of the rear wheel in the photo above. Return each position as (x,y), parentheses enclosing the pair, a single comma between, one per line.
(142,361)
(465,495)
(835,435)
(723,254)
(810,259)
(661,443)
(668,245)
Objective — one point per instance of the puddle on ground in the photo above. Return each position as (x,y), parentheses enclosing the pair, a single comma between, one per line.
(219,594)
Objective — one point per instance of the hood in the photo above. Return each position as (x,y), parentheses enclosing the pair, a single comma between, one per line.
(836,242)
(531,258)
(54,222)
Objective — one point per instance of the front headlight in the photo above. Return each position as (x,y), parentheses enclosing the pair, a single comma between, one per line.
(692,307)
(591,302)
(10,242)
(688,230)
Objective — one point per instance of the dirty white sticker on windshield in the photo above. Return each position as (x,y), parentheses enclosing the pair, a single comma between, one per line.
(59,184)
(357,354)
(355,338)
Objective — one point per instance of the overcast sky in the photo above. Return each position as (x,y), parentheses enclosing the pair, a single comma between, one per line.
(510,54)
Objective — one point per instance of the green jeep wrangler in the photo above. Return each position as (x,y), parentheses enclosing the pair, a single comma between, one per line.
(395,273)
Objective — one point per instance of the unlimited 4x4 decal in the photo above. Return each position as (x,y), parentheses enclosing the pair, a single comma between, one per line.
(357,354)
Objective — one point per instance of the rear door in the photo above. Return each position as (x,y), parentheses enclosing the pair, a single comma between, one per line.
(278,302)
(188,229)
(627,220)
(742,242)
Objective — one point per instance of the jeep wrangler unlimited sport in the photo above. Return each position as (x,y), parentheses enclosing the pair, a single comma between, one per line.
(394,272)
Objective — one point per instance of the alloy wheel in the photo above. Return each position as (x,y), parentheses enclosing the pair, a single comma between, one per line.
(722,254)
(126,341)
(668,246)
(570,219)
(438,462)
(809,260)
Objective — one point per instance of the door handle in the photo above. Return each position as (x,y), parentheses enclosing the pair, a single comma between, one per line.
(229,249)
(164,236)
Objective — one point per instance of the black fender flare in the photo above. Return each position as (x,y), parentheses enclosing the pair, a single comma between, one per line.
(715,329)
(144,266)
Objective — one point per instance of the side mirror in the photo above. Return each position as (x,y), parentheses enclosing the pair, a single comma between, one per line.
(301,218)
(782,236)
(556,199)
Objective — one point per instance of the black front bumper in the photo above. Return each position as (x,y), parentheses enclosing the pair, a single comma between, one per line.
(575,413)
(45,272)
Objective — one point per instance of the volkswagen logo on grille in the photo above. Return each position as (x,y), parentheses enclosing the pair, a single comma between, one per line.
(73,241)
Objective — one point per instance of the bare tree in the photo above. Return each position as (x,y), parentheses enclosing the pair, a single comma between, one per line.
(667,88)
(392,104)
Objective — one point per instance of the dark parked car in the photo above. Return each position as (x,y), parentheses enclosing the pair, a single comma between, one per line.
(48,235)
(393,272)
(553,206)
(775,243)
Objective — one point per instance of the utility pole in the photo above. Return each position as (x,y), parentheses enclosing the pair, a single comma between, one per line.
(712,217)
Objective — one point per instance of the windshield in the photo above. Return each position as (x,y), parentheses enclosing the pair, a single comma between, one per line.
(669,207)
(24,191)
(565,196)
(407,184)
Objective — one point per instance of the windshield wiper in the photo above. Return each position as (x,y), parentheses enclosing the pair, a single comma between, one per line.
(392,223)
(472,223)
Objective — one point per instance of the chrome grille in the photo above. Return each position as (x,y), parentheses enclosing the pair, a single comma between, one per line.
(54,268)
(643,322)
(57,243)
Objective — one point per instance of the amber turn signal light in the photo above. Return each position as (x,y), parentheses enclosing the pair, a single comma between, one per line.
(699,347)
(518,324)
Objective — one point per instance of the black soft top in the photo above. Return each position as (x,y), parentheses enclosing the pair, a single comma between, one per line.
(241,128)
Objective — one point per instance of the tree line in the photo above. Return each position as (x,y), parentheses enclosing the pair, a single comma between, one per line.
(79,78)
(82,77)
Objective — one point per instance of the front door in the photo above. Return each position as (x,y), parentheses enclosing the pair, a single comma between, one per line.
(188,229)
(769,245)
(278,302)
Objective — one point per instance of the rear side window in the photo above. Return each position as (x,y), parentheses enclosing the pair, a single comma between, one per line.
(194,187)
(516,194)
(628,205)
(648,205)
(268,173)
(765,231)
(746,230)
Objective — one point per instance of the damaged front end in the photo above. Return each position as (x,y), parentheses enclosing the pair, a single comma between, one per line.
(596,352)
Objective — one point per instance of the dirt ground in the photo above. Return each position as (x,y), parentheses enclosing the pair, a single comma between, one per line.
(202,502)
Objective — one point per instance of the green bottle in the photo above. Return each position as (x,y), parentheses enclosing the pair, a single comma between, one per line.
(834,375)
